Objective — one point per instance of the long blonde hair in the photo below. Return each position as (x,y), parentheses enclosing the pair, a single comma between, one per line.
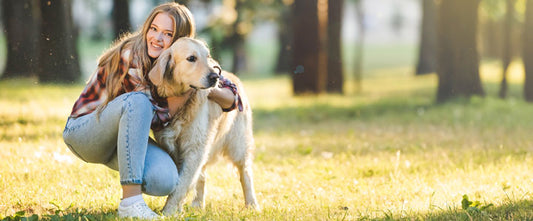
(184,26)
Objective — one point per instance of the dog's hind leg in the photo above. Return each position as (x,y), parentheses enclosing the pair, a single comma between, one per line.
(247,183)
(243,162)
(199,199)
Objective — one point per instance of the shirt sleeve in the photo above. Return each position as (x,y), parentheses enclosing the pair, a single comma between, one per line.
(237,101)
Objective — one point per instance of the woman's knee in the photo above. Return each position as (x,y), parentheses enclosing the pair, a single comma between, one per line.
(137,101)
(162,183)
(80,145)
(160,172)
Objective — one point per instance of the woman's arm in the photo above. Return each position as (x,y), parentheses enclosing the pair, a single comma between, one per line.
(223,97)
(176,102)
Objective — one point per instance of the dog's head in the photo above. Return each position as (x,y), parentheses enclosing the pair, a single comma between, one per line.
(184,65)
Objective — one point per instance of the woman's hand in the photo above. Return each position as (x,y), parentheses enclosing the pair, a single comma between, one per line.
(176,102)
(222,96)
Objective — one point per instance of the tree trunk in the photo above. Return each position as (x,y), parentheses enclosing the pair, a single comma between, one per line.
(308,76)
(22,35)
(58,52)
(458,69)
(183,2)
(358,61)
(427,54)
(492,38)
(528,51)
(335,74)
(507,53)
(240,60)
(285,35)
(237,42)
(121,17)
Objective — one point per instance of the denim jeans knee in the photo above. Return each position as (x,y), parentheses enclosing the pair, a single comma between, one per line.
(138,101)
(160,172)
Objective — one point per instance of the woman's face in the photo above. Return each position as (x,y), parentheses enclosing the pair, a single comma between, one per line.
(159,36)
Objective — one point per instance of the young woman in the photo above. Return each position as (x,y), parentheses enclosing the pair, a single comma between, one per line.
(111,120)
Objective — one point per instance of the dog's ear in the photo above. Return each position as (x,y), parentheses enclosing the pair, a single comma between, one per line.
(162,68)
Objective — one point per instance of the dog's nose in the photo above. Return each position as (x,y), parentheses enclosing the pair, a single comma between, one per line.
(213,78)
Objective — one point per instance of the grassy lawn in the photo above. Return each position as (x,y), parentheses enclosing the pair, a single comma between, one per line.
(387,153)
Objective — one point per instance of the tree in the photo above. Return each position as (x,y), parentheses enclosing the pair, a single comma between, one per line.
(58,53)
(491,25)
(358,61)
(229,29)
(335,75)
(427,56)
(285,36)
(237,38)
(121,17)
(309,69)
(183,2)
(21,29)
(458,58)
(507,53)
(528,51)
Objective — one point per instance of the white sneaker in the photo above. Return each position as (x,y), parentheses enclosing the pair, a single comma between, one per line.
(137,210)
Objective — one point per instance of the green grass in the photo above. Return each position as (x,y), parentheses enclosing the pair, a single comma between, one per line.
(388,153)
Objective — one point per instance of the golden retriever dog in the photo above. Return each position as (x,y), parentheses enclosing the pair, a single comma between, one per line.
(201,131)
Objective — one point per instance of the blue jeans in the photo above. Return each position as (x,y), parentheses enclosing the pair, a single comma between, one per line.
(119,139)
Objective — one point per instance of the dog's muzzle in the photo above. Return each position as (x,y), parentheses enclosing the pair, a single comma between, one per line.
(213,79)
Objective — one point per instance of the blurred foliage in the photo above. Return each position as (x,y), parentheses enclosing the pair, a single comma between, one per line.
(495,9)
(237,18)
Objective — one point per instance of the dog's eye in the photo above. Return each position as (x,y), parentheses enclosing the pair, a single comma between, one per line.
(191,58)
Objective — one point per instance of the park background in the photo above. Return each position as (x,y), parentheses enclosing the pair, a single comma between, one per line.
(420,112)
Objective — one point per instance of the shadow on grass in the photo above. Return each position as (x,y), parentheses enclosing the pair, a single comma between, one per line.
(81,214)
(418,106)
(518,210)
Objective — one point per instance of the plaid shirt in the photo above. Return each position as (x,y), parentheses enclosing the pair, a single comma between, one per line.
(95,94)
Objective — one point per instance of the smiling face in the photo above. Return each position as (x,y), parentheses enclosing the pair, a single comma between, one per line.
(159,35)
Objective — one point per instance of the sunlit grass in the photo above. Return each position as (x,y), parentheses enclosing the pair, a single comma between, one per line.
(388,152)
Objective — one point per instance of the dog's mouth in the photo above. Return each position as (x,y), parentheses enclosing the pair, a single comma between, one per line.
(211,81)
(196,87)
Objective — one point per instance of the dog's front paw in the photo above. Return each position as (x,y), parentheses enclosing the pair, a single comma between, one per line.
(198,204)
(254,206)
(171,210)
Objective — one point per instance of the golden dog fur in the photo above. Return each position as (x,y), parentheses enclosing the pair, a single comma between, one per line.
(200,131)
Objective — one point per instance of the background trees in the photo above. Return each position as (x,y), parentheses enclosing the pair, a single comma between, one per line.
(335,73)
(427,56)
(458,57)
(311,44)
(58,53)
(41,40)
(528,51)
(309,66)
(317,58)
(22,29)
(507,47)
(358,61)
(121,17)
